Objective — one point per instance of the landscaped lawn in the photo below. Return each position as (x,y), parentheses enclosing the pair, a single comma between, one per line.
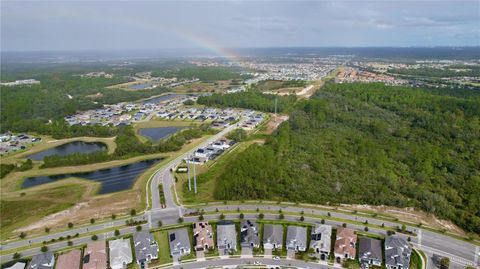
(164,249)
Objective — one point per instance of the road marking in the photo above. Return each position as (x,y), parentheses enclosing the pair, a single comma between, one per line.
(477,253)
(459,260)
(419,237)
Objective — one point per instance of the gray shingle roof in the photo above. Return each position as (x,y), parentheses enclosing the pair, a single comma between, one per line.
(397,252)
(249,233)
(226,235)
(321,238)
(41,261)
(370,249)
(178,239)
(145,245)
(296,237)
(273,234)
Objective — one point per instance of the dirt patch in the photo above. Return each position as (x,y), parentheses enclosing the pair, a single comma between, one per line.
(95,96)
(274,122)
(411,215)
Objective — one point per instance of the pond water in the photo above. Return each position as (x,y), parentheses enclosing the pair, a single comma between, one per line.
(155,134)
(140,86)
(112,179)
(69,148)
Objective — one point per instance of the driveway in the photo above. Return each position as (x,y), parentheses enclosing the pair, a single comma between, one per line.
(200,255)
(268,253)
(247,253)
(290,254)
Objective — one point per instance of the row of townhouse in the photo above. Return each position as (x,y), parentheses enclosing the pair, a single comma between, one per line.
(210,152)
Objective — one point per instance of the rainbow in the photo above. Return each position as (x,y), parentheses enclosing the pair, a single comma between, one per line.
(199,41)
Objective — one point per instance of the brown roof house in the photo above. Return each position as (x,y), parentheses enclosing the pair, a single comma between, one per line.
(203,236)
(70,260)
(345,244)
(95,255)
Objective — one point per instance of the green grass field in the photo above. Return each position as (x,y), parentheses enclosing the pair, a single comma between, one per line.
(18,212)
(164,249)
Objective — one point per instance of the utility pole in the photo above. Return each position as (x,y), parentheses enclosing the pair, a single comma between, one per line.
(275,105)
(194,179)
(188,171)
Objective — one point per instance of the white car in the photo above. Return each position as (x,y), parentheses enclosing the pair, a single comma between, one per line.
(257,263)
(276,258)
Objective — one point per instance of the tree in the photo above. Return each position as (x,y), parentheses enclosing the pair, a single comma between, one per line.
(138,228)
(222,216)
(281,216)
(70,225)
(302,218)
(201,218)
(160,223)
(404,227)
(344,225)
(261,215)
(241,216)
(92,221)
(23,235)
(117,232)
(47,230)
(94,237)
(444,263)
(70,243)
(114,216)
(133,212)
(180,220)
(322,221)
(16,256)
(365,229)
(44,249)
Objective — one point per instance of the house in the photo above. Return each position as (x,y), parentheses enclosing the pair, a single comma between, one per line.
(179,242)
(397,253)
(320,240)
(272,236)
(146,248)
(369,252)
(70,260)
(345,244)
(17,265)
(95,255)
(44,260)
(226,237)
(120,253)
(296,238)
(249,234)
(203,236)
(202,153)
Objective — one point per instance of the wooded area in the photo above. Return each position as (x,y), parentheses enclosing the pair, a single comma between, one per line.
(369,143)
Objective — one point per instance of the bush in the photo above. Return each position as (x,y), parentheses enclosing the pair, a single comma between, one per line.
(180,220)
(200,218)
(23,235)
(133,212)
(70,243)
(114,216)
(94,237)
(222,216)
(261,216)
(344,225)
(92,221)
(47,230)
(138,228)
(281,216)
(241,216)
(302,218)
(44,249)
(70,225)
(16,256)
(117,232)
(365,229)
(160,223)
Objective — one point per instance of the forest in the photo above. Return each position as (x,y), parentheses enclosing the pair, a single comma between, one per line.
(250,99)
(452,71)
(369,143)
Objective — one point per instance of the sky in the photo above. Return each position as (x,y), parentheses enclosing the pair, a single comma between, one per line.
(216,25)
